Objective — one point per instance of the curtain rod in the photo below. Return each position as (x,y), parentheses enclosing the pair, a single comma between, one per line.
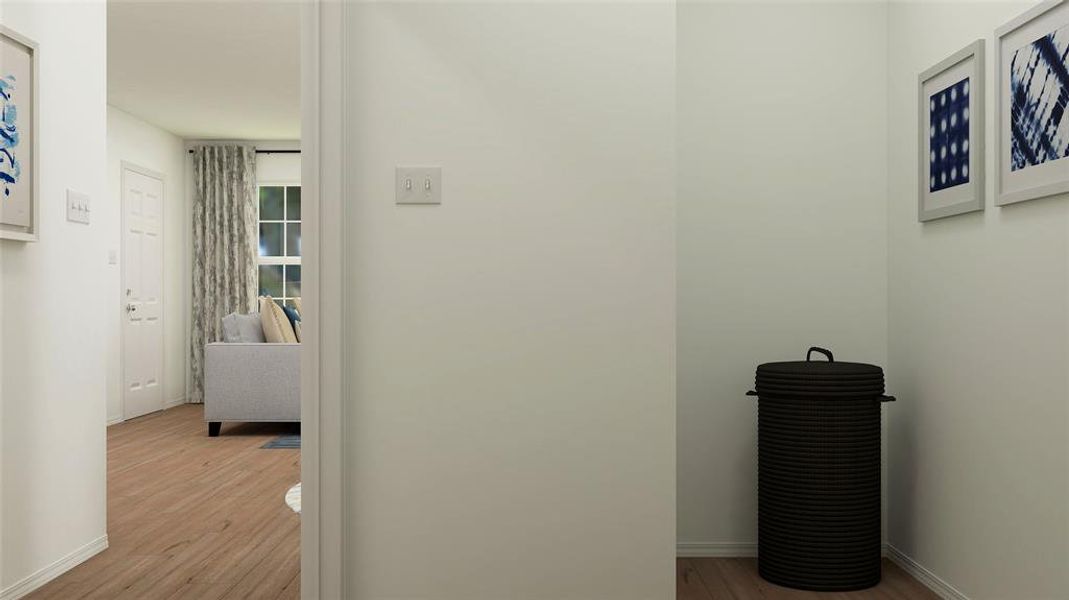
(272,151)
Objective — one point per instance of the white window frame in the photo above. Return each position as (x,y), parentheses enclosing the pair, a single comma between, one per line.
(278,260)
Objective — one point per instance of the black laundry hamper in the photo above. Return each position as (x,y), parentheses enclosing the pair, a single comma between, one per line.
(818,460)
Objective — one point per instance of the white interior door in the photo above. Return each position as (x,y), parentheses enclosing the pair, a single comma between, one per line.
(142,260)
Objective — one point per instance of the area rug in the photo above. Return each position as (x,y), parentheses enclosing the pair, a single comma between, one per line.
(285,441)
(293,498)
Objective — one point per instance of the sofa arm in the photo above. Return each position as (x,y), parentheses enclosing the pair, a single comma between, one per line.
(252,382)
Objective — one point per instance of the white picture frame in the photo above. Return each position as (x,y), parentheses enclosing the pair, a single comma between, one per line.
(1023,168)
(950,135)
(19,180)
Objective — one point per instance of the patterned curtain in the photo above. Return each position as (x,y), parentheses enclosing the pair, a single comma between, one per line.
(224,245)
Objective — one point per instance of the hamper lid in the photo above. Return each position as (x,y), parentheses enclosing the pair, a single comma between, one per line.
(819,377)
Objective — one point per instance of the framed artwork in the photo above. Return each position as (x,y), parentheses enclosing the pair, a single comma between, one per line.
(1031,93)
(951,135)
(19,214)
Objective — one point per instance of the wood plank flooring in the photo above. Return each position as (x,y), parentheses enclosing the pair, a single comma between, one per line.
(198,518)
(737,579)
(193,517)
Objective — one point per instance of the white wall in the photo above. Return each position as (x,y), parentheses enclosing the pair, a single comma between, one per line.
(132,140)
(511,353)
(781,231)
(979,348)
(55,318)
(278,167)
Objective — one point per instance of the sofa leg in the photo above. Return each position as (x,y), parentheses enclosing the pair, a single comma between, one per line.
(213,428)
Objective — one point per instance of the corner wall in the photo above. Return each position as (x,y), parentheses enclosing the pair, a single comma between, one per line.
(510,354)
(132,140)
(54,322)
(782,227)
(979,351)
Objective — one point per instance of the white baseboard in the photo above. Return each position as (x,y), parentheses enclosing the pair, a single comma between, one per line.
(166,405)
(715,549)
(50,572)
(743,549)
(174,403)
(920,573)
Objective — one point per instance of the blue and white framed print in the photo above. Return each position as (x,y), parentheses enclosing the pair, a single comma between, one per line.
(1032,99)
(18,137)
(951,135)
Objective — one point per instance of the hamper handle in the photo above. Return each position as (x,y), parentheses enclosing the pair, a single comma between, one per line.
(825,352)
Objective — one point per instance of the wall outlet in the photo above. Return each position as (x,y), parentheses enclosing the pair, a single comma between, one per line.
(77,207)
(418,185)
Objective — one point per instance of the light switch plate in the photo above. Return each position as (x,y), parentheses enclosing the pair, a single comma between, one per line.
(418,185)
(77,207)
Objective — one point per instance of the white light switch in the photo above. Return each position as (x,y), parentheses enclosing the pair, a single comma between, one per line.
(418,185)
(77,207)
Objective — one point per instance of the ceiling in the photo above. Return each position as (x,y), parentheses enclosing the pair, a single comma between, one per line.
(208,69)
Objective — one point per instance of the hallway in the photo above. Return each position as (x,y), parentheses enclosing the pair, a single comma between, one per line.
(193,517)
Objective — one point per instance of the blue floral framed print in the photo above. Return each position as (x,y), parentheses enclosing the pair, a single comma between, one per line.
(18,137)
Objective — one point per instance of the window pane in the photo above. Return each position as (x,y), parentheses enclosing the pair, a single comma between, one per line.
(293,239)
(293,281)
(271,204)
(270,239)
(293,204)
(271,280)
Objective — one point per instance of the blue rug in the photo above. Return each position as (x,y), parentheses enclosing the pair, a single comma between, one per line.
(285,441)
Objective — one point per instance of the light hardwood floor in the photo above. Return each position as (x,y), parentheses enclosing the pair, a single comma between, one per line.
(198,518)
(192,517)
(737,579)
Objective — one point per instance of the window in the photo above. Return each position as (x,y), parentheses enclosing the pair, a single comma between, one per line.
(280,242)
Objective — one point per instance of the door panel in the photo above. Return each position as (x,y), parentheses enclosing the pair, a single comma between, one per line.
(143,294)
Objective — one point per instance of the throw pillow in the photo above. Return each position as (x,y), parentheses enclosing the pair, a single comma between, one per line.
(231,330)
(292,315)
(252,331)
(239,329)
(297,324)
(276,326)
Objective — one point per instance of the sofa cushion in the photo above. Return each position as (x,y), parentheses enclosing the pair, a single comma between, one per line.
(239,328)
(276,326)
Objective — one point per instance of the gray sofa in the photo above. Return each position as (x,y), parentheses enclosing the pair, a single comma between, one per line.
(251,382)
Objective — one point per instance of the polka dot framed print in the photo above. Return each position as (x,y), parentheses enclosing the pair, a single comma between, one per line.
(951,135)
(1032,105)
